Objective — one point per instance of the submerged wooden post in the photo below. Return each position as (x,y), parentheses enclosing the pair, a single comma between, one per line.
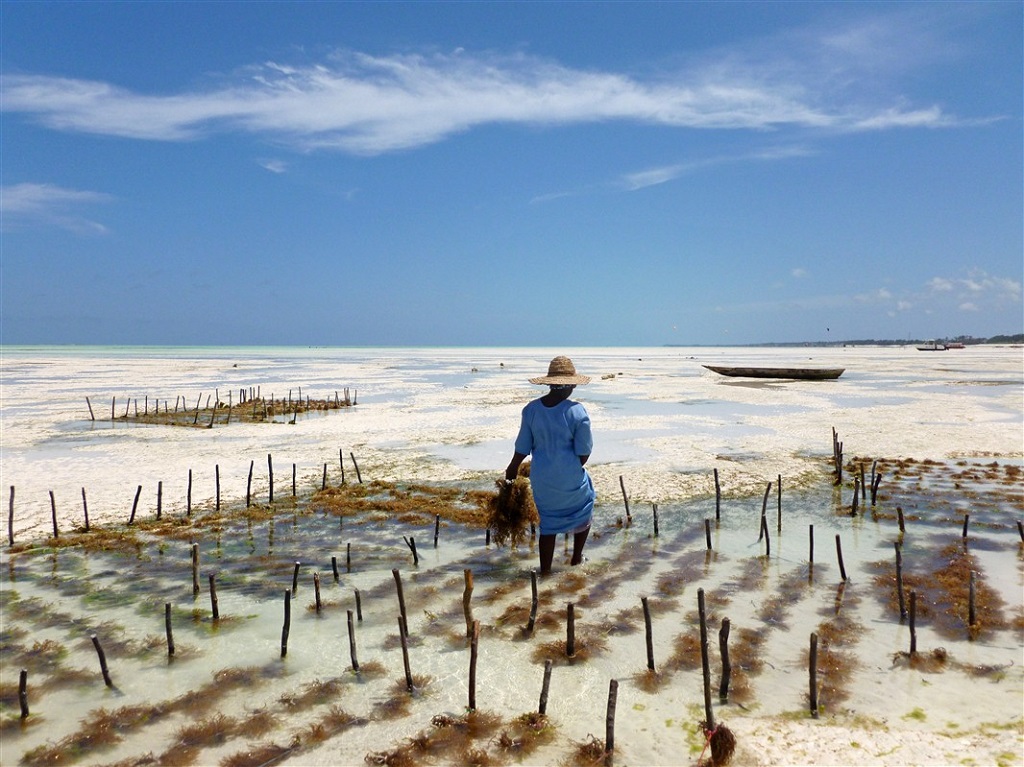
(23,692)
(779,486)
(856,496)
(294,469)
(103,661)
(655,520)
(323,483)
(334,568)
(967,519)
(167,630)
(764,512)
(159,499)
(401,602)
(188,496)
(899,580)
(195,568)
(814,676)
(359,477)
(437,528)
(839,554)
(316,592)
(270,471)
(707,532)
(92,416)
(709,714)
(359,605)
(403,638)
(474,644)
(295,578)
(767,537)
(467,607)
(810,552)
(216,473)
(214,605)
(287,622)
(533,604)
(542,709)
(900,520)
(971,614)
(723,649)
(352,642)
(135,505)
(609,721)
(248,486)
(85,510)
(648,633)
(625,497)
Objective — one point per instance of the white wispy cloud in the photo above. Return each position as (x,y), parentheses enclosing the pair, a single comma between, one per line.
(50,204)
(368,104)
(661,175)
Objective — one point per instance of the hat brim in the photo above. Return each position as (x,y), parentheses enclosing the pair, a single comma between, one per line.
(561,380)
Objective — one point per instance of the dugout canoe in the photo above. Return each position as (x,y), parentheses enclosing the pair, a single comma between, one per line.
(803,374)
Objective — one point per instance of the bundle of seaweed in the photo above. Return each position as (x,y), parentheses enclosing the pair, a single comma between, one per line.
(512,510)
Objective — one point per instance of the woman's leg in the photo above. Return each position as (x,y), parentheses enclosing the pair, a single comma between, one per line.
(579,540)
(547,553)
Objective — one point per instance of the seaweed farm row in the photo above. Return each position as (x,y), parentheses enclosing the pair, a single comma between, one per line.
(376,623)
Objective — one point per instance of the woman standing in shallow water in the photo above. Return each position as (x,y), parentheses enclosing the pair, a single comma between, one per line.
(556,432)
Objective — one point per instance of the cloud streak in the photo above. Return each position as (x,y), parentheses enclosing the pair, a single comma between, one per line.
(49,204)
(365,104)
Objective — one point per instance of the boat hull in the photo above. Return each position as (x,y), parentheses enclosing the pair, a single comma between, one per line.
(802,374)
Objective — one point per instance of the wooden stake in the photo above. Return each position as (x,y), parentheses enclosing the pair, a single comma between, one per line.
(609,721)
(707,532)
(401,601)
(287,622)
(723,649)
(135,505)
(718,498)
(402,636)
(295,578)
(1020,524)
(23,693)
(248,486)
(839,554)
(167,629)
(899,580)
(810,552)
(533,604)
(899,517)
(188,496)
(293,481)
(213,597)
(359,477)
(856,496)
(270,470)
(542,709)
(53,513)
(437,528)
(348,557)
(359,606)
(625,497)
(334,567)
(767,538)
(323,484)
(91,416)
(216,473)
(779,486)
(709,714)
(195,568)
(467,606)
(474,644)
(648,632)
(85,510)
(764,511)
(352,642)
(814,676)
(411,543)
(159,499)
(103,661)
(655,520)
(316,591)
(967,519)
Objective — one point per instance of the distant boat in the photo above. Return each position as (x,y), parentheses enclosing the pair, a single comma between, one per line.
(804,374)
(932,346)
(955,345)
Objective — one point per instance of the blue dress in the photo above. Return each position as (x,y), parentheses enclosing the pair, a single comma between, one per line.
(562,489)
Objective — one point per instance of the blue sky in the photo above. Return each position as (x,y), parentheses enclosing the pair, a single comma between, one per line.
(509,173)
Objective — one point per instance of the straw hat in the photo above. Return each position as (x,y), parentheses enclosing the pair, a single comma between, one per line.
(562,372)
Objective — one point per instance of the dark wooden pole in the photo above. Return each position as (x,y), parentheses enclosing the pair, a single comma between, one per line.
(216,473)
(570,631)
(707,532)
(967,519)
(709,714)
(913,621)
(92,416)
(625,496)
(352,642)
(214,605)
(53,514)
(542,709)
(467,605)
(609,720)
(103,661)
(167,629)
(23,692)
(900,520)
(814,676)
(359,477)
(723,649)
(718,498)
(648,633)
(248,486)
(135,505)
(764,512)
(287,622)
(839,554)
(359,605)
(779,486)
(655,520)
(767,537)
(294,469)
(195,568)
(270,471)
(159,499)
(403,638)
(316,592)
(474,645)
(972,616)
(295,578)
(437,528)
(401,601)
(334,567)
(899,580)
(533,604)
(810,552)
(85,510)
(188,496)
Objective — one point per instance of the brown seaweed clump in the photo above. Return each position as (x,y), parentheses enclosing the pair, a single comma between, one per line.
(721,743)
(511,511)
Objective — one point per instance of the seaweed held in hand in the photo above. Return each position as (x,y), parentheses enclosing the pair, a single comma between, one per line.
(511,512)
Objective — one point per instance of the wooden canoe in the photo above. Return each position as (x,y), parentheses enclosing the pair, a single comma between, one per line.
(804,374)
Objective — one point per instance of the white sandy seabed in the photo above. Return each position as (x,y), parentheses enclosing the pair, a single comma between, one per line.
(662,423)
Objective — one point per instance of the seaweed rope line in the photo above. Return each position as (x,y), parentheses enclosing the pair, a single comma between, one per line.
(708,735)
